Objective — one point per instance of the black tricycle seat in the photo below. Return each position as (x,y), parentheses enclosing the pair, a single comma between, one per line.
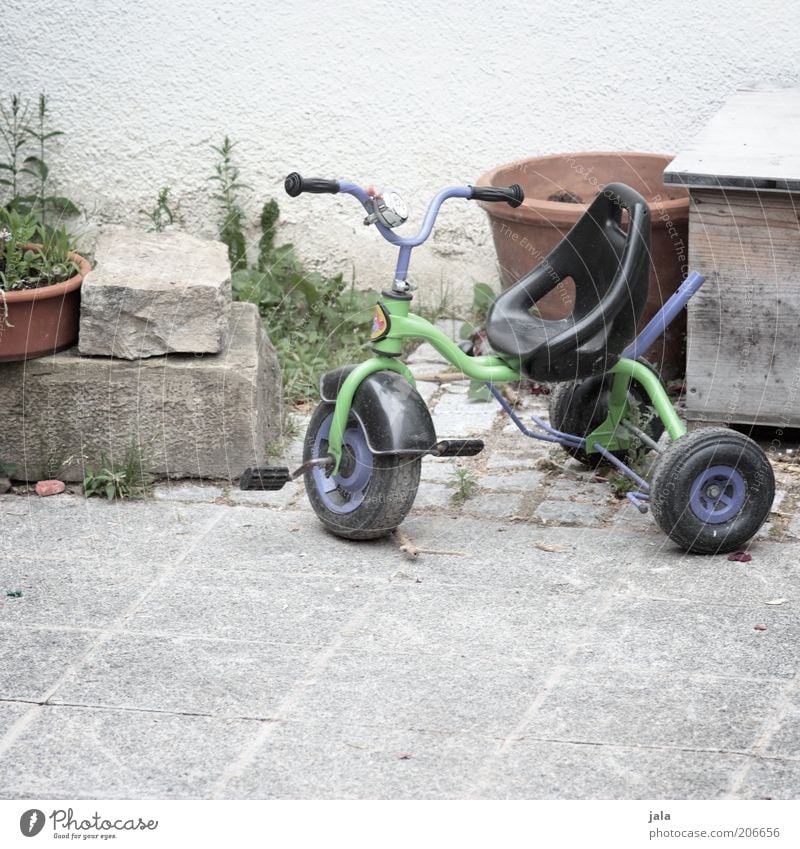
(610,267)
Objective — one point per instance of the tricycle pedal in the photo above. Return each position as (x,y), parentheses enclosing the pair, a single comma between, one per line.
(264,478)
(458,448)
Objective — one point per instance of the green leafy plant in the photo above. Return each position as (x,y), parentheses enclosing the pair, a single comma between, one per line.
(464,484)
(13,121)
(483,297)
(124,480)
(226,176)
(31,254)
(315,322)
(161,215)
(27,180)
(620,484)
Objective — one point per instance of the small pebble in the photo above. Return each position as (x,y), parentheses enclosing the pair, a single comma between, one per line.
(760,628)
(45,488)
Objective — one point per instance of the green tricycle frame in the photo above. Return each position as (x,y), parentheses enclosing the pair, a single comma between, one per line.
(710,491)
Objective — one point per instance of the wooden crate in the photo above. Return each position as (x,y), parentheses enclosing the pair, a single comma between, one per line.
(743,334)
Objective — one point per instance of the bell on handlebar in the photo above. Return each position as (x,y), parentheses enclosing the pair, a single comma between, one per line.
(388,209)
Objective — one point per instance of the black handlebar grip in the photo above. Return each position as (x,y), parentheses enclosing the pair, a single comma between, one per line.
(295,185)
(513,195)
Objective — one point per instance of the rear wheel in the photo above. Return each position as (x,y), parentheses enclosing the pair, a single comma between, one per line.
(712,490)
(582,406)
(371,494)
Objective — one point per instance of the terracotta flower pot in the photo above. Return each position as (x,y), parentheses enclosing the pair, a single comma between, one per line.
(44,320)
(524,236)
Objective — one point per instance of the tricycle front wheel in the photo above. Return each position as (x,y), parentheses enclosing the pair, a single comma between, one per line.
(371,494)
(712,490)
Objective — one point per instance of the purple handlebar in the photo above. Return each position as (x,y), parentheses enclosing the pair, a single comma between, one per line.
(430,216)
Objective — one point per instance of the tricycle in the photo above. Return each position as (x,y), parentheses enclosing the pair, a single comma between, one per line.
(710,490)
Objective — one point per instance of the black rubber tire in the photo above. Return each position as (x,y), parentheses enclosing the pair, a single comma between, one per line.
(580,407)
(388,496)
(678,468)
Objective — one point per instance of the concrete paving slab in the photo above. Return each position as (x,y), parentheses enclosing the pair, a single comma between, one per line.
(656,707)
(580,661)
(122,754)
(768,577)
(512,481)
(293,541)
(10,712)
(186,491)
(433,495)
(663,636)
(95,530)
(425,353)
(32,660)
(455,416)
(461,388)
(535,769)
(274,607)
(516,555)
(430,618)
(495,505)
(410,690)
(584,514)
(582,489)
(70,592)
(500,462)
(183,674)
(427,389)
(769,778)
(782,740)
(443,470)
(319,760)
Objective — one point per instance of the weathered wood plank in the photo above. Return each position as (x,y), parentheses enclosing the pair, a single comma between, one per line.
(743,353)
(751,143)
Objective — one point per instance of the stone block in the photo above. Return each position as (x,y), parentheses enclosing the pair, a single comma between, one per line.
(198,416)
(155,293)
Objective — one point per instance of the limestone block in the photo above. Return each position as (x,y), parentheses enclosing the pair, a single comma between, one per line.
(195,416)
(155,293)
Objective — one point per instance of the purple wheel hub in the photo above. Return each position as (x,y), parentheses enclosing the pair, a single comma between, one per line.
(344,492)
(717,495)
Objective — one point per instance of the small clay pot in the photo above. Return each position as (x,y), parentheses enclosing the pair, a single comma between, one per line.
(44,320)
(558,189)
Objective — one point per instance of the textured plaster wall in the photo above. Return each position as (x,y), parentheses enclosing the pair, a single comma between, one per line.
(413,95)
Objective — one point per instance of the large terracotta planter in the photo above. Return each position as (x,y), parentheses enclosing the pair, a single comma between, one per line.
(44,320)
(524,236)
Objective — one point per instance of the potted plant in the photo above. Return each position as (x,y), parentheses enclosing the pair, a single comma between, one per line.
(558,190)
(40,279)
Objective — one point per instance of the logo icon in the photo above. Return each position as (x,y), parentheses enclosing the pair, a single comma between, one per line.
(31,822)
(380,323)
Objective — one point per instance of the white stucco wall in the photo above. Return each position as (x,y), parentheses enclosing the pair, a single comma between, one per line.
(414,95)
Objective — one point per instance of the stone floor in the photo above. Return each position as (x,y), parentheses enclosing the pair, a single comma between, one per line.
(210,643)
